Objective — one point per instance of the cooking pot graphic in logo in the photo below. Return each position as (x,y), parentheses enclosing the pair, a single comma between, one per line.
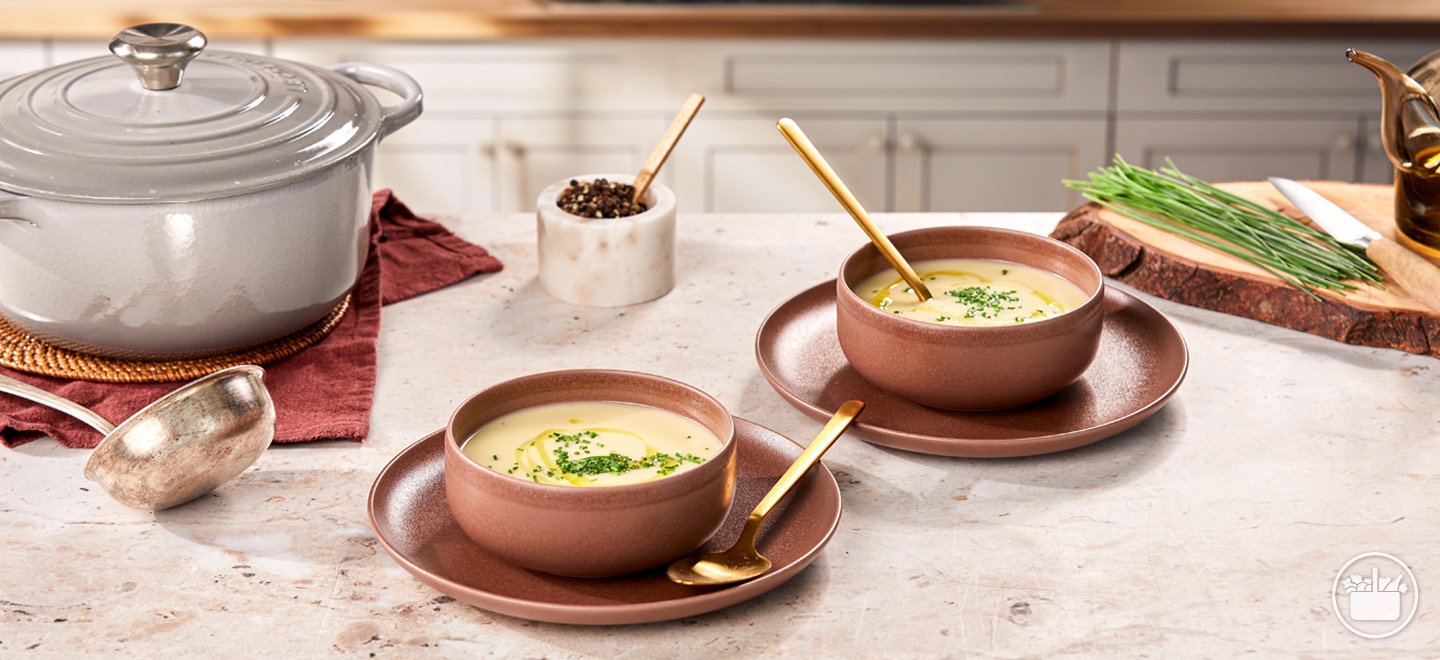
(1375,595)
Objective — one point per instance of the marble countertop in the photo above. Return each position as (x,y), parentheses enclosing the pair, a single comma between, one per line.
(1214,529)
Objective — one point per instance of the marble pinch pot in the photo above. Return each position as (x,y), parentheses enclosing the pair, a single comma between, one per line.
(971,368)
(589,532)
(606,262)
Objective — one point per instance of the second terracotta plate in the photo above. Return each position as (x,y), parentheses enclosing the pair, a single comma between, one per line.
(410,516)
(1140,365)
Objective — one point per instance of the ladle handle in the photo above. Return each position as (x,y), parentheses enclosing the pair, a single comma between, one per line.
(94,420)
(827,436)
(822,169)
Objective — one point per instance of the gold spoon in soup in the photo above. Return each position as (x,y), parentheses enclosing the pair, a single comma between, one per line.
(741,562)
(812,156)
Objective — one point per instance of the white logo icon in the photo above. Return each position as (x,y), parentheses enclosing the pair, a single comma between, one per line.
(1375,595)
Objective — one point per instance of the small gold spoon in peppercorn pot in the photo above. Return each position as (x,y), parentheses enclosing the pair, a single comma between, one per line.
(741,562)
(667,143)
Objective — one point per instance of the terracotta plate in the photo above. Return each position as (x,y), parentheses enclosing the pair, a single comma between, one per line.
(412,520)
(1141,362)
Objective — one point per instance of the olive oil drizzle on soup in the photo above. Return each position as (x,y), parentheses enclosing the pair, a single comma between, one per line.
(974,292)
(591,443)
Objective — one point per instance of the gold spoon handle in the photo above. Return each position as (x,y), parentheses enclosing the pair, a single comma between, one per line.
(827,436)
(812,156)
(667,143)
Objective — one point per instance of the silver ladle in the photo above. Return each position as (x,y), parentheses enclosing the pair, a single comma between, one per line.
(181,446)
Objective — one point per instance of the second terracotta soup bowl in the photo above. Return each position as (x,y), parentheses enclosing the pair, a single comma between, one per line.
(971,368)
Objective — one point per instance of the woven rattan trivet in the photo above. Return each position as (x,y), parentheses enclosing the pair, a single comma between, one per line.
(21,351)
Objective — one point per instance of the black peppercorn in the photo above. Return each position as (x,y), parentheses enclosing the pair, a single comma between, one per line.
(599,199)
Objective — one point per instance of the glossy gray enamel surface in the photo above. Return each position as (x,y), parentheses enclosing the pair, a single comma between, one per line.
(182,280)
(236,123)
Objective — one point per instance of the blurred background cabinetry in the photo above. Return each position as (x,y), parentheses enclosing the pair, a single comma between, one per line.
(1241,110)
(912,125)
(509,119)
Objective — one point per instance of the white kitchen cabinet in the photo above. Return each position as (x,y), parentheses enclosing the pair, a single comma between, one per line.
(19,56)
(912,125)
(470,164)
(951,76)
(505,119)
(519,78)
(994,164)
(441,165)
(1247,109)
(502,121)
(744,164)
(1375,166)
(533,153)
(1294,78)
(1245,149)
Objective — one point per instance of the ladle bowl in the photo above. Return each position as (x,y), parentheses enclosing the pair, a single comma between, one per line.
(180,447)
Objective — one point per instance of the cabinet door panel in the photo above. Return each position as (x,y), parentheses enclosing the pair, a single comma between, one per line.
(883,75)
(17,57)
(1244,150)
(440,165)
(1291,76)
(746,166)
(985,165)
(535,153)
(1375,166)
(533,76)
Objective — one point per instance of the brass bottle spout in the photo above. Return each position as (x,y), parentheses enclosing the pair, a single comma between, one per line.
(1409,121)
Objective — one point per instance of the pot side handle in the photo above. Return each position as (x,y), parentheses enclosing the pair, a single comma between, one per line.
(394,117)
(8,211)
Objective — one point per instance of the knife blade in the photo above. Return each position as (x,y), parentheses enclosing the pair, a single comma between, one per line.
(1419,277)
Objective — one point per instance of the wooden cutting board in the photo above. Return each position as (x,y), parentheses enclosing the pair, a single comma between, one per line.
(1166,265)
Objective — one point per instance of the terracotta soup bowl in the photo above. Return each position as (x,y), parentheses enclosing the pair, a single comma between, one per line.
(589,531)
(971,368)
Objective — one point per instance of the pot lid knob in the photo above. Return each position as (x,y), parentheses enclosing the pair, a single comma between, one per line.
(158,52)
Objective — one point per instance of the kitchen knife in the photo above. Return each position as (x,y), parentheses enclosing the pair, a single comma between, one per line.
(1411,271)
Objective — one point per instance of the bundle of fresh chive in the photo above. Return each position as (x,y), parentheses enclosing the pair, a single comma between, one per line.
(1184,205)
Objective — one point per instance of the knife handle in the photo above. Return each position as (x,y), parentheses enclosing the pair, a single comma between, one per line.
(1419,278)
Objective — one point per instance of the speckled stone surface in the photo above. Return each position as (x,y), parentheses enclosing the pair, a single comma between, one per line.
(1214,529)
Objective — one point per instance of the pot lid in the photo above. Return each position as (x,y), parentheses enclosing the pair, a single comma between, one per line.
(161,122)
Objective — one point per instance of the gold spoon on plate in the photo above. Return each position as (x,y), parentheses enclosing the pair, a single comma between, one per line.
(837,187)
(741,562)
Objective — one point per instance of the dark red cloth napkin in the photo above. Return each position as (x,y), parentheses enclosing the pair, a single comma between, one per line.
(322,392)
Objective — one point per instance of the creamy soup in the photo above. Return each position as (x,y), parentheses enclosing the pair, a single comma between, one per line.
(974,292)
(591,443)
